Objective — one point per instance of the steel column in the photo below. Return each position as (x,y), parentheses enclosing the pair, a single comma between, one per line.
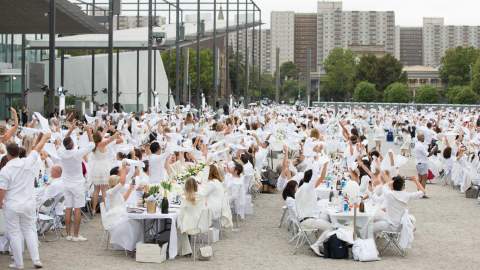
(215,56)
(24,43)
(110,56)
(237,73)
(62,67)
(197,94)
(51,57)
(227,52)
(93,76)
(149,63)
(117,78)
(245,93)
(138,80)
(177,55)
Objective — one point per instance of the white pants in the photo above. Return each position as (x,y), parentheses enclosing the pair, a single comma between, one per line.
(382,225)
(320,224)
(21,226)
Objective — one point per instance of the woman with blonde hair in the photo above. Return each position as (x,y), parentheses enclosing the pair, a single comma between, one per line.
(190,214)
(213,191)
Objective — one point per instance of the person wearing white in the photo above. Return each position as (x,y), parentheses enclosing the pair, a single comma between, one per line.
(190,219)
(17,199)
(55,187)
(307,207)
(395,204)
(158,172)
(71,162)
(421,155)
(213,192)
(124,233)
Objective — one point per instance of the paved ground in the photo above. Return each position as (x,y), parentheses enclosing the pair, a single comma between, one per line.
(446,238)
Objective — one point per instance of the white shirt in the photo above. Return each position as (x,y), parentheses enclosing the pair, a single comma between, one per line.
(17,178)
(306,200)
(71,162)
(156,164)
(396,202)
(421,152)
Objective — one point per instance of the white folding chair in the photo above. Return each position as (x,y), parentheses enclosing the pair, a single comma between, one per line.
(301,234)
(284,215)
(391,239)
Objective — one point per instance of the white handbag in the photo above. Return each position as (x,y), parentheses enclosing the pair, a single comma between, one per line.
(365,250)
(206,253)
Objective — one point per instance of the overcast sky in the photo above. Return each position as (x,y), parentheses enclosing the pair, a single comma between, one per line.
(407,12)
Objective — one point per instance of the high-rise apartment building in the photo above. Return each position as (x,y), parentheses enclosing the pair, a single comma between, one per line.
(411,46)
(283,34)
(305,39)
(438,37)
(265,49)
(343,29)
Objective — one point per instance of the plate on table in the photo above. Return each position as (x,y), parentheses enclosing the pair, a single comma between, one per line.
(135,210)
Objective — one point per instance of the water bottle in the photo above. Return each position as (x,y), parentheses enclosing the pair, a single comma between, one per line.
(345,206)
(45,179)
(331,195)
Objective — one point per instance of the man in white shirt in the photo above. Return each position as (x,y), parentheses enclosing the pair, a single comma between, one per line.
(157,164)
(74,181)
(17,199)
(395,203)
(421,155)
(55,187)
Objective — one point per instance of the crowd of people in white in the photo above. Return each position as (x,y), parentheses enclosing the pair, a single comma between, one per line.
(330,162)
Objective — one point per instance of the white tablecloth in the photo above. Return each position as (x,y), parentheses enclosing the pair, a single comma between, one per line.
(364,220)
(172,243)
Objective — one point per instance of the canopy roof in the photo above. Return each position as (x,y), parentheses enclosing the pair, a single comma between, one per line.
(137,38)
(27,16)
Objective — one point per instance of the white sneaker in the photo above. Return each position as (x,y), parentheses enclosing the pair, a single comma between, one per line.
(316,250)
(69,238)
(13,266)
(79,238)
(37,265)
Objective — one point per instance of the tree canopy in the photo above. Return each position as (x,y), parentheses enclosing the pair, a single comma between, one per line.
(397,93)
(427,94)
(456,65)
(365,92)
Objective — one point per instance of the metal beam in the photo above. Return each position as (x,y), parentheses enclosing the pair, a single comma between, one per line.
(215,56)
(110,57)
(93,76)
(177,56)
(149,63)
(197,93)
(51,57)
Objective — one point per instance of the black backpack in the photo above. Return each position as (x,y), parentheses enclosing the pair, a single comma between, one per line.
(335,248)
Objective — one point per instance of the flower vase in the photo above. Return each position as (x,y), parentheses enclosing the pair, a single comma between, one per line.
(151,207)
(164,205)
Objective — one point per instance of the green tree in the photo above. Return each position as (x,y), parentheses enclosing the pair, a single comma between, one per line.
(365,92)
(390,70)
(476,76)
(291,89)
(206,70)
(367,69)
(397,93)
(456,65)
(288,71)
(427,94)
(263,86)
(463,95)
(340,78)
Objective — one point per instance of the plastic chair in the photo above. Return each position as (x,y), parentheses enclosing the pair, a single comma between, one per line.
(106,233)
(282,218)
(203,225)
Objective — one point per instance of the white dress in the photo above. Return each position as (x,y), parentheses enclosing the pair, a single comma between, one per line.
(213,192)
(124,233)
(100,164)
(236,193)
